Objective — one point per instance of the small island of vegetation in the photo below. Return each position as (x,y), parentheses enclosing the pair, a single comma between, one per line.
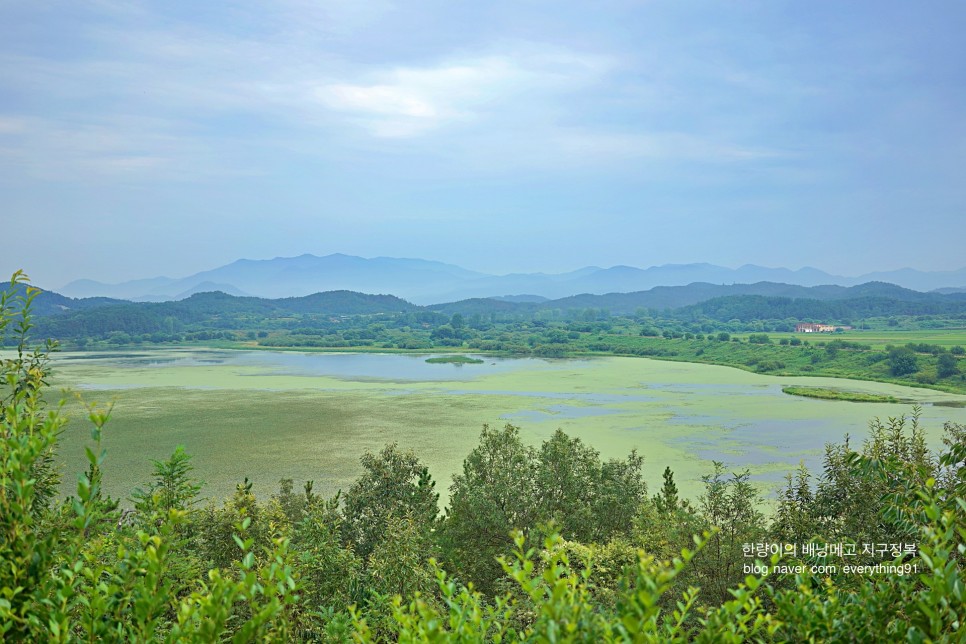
(838,394)
(454,359)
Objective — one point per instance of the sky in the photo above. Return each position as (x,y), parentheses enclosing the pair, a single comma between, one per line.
(142,138)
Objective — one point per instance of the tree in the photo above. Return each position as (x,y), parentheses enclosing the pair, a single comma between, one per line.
(493,495)
(566,473)
(588,501)
(667,500)
(621,491)
(946,365)
(395,484)
(331,572)
(902,362)
(856,486)
(729,505)
(218,527)
(172,487)
(443,332)
(795,520)
(399,566)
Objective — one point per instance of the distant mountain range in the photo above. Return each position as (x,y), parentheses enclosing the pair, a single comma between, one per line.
(428,282)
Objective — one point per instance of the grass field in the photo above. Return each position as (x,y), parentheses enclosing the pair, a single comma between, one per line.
(813,359)
(265,424)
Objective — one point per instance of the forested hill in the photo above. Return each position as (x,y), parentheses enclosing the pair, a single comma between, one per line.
(758,307)
(50,303)
(216,315)
(334,302)
(62,317)
(676,297)
(345,302)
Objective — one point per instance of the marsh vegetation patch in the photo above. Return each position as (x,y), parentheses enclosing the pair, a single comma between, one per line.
(267,415)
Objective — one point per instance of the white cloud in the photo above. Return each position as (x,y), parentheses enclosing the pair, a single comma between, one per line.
(409,101)
(378,99)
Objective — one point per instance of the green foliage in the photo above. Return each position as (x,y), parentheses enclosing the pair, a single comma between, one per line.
(729,506)
(557,603)
(218,525)
(494,494)
(902,362)
(32,600)
(172,487)
(667,501)
(398,567)
(75,571)
(589,501)
(263,596)
(919,607)
(854,487)
(395,484)
(506,486)
(947,366)
(794,516)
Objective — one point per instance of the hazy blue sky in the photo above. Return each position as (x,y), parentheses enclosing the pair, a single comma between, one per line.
(145,138)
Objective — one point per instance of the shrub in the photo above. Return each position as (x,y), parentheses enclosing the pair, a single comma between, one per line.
(902,362)
(946,365)
(75,571)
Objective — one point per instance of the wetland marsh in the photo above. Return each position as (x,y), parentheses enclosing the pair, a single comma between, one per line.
(266,415)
